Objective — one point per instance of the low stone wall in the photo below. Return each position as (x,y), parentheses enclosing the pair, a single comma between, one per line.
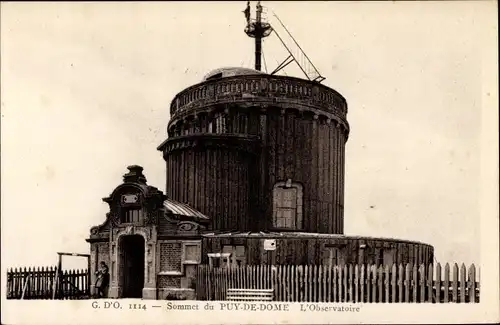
(176,279)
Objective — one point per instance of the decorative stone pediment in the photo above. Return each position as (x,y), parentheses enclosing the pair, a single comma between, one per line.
(132,203)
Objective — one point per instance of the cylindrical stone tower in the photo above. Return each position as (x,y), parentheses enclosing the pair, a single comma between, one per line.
(259,152)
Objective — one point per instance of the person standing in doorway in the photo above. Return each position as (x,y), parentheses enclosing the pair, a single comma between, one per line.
(102,280)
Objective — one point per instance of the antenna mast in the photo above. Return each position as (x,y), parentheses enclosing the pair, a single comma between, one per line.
(257,29)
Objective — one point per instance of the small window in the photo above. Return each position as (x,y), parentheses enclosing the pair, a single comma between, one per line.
(132,215)
(287,205)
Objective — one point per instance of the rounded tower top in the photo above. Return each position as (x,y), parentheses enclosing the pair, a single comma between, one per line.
(230,72)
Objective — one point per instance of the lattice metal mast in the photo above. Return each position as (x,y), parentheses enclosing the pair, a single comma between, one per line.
(258,29)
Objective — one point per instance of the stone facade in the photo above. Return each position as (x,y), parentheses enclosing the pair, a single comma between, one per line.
(170,233)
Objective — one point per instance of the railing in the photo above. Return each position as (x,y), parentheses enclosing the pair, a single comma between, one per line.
(248,88)
(348,283)
(40,283)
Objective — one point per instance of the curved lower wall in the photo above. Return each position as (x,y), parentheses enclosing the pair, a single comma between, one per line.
(322,249)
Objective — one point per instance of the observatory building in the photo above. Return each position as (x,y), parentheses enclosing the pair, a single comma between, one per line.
(255,174)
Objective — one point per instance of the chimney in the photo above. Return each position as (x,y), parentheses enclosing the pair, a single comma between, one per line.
(134,175)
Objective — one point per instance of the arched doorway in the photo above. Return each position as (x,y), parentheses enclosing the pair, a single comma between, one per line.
(132,265)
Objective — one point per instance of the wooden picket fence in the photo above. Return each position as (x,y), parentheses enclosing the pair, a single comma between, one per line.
(347,283)
(38,283)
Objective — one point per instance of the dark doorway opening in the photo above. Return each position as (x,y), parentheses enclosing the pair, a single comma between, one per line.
(132,264)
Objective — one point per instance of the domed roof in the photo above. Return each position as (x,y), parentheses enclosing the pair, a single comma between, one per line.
(230,72)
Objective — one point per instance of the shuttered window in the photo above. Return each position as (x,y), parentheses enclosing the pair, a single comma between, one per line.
(287,207)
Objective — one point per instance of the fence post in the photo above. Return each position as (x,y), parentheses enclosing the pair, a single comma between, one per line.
(262,276)
(400,278)
(414,282)
(310,280)
(286,282)
(333,283)
(356,283)
(446,282)
(307,283)
(226,277)
(346,290)
(472,284)
(239,280)
(36,282)
(368,283)
(387,282)
(430,283)
(421,273)
(44,282)
(374,282)
(478,284)
(275,282)
(462,282)
(350,284)
(362,283)
(278,282)
(301,284)
(323,283)
(341,291)
(40,280)
(438,283)
(9,283)
(251,276)
(455,283)
(380,282)
(393,282)
(407,283)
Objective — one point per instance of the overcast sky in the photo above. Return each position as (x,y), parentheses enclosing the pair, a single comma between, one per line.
(86,89)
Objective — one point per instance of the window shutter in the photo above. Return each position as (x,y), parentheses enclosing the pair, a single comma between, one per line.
(285,205)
